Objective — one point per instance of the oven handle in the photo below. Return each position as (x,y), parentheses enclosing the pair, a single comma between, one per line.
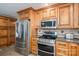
(45,51)
(47,44)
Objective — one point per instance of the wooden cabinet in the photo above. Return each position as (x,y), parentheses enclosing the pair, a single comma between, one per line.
(67,48)
(73,49)
(4,30)
(3,22)
(63,13)
(24,15)
(78,49)
(76,15)
(50,13)
(65,16)
(44,14)
(47,13)
(62,48)
(12,34)
(3,42)
(39,15)
(53,12)
(34,47)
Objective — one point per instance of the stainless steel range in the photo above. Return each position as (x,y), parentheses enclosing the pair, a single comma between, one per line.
(46,42)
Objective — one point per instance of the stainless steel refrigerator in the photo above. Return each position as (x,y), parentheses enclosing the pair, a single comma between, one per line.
(22,45)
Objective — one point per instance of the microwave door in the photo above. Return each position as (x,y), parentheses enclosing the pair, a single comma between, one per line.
(54,23)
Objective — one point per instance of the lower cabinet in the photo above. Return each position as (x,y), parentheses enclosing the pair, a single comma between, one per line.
(62,48)
(3,42)
(67,48)
(34,47)
(73,49)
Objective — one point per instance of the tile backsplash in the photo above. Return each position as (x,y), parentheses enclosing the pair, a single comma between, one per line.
(61,32)
(76,33)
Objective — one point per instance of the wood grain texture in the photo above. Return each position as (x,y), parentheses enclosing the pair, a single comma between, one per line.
(5,23)
(65,16)
(67,49)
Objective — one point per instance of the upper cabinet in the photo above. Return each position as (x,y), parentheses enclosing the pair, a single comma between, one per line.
(46,13)
(38,17)
(3,21)
(23,15)
(65,16)
(26,13)
(76,15)
(53,12)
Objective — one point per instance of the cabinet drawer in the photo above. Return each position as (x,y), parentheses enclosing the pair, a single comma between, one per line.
(34,47)
(3,33)
(62,52)
(3,41)
(62,44)
(3,21)
(34,50)
(34,40)
(34,44)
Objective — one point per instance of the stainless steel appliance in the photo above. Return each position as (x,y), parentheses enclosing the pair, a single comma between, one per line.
(22,37)
(49,23)
(46,43)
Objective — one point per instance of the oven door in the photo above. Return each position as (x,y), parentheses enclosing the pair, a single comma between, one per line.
(46,48)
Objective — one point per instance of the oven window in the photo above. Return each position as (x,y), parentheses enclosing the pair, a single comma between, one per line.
(46,48)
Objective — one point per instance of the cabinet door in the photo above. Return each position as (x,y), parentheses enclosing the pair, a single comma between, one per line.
(23,15)
(3,22)
(65,16)
(62,48)
(34,47)
(61,44)
(76,15)
(3,41)
(3,33)
(73,49)
(39,17)
(62,52)
(44,14)
(78,50)
(53,12)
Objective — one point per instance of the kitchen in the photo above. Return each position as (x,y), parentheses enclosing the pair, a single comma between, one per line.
(52,30)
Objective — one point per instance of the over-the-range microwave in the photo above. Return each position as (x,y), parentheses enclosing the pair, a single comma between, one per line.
(49,23)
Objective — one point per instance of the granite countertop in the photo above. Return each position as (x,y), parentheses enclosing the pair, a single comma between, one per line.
(75,40)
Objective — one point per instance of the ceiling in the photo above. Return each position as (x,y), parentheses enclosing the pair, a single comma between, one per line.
(10,9)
